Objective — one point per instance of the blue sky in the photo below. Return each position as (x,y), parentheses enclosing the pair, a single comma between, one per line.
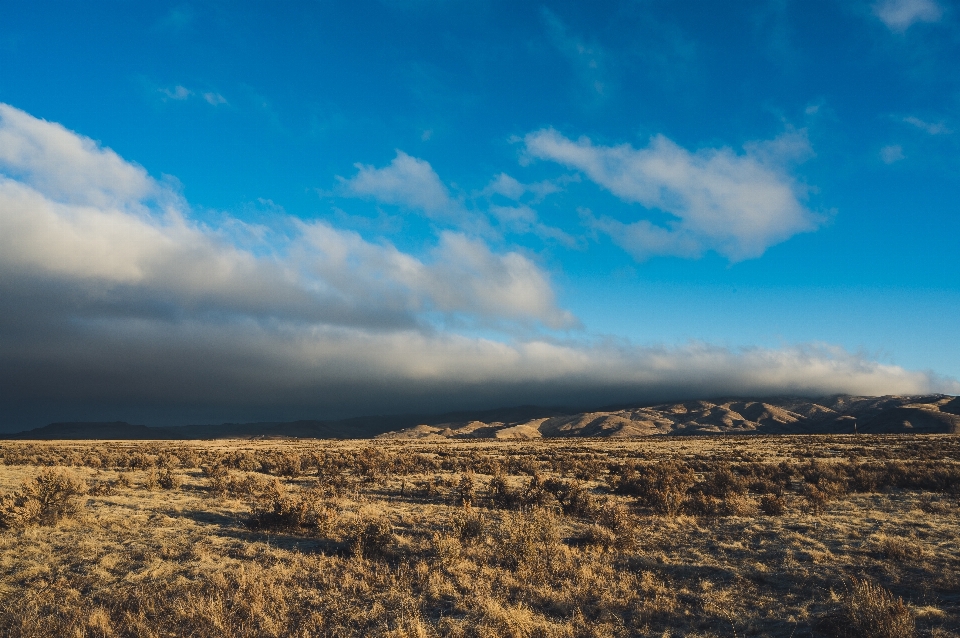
(217,211)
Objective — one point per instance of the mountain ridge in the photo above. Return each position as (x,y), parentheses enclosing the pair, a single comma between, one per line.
(834,414)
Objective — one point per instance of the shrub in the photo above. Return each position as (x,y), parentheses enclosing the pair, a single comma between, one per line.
(278,510)
(469,524)
(661,486)
(168,480)
(501,494)
(723,482)
(895,547)
(773,505)
(465,491)
(873,612)
(574,498)
(600,536)
(370,538)
(43,500)
(527,536)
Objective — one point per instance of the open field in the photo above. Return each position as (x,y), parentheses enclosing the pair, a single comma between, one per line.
(695,536)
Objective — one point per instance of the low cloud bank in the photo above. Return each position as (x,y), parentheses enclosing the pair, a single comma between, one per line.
(116,305)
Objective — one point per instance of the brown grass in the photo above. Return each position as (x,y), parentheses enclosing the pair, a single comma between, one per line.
(792,536)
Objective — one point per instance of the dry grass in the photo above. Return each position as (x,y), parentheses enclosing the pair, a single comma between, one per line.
(793,536)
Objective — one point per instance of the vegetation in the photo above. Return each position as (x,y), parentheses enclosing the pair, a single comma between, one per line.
(802,536)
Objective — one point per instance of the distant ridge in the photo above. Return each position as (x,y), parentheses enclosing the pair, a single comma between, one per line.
(838,414)
(353,428)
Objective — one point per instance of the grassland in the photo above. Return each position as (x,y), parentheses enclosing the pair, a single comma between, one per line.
(712,536)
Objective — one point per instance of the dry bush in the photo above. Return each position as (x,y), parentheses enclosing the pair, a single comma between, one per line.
(773,505)
(661,486)
(101,487)
(42,500)
(169,480)
(814,499)
(527,536)
(934,505)
(469,524)
(895,547)
(278,510)
(152,480)
(370,537)
(600,536)
(573,497)
(223,482)
(466,490)
(870,611)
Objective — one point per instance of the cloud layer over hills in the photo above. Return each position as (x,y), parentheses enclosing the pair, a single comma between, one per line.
(118,303)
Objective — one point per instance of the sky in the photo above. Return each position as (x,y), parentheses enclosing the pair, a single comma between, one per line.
(237,211)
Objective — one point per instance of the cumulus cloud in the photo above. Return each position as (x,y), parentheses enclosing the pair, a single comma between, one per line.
(900,15)
(407,181)
(117,306)
(735,204)
(66,167)
(75,213)
(461,276)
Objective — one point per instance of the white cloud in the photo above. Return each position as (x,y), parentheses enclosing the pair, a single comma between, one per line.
(933,128)
(412,183)
(462,276)
(214,99)
(66,167)
(176,93)
(735,204)
(509,187)
(76,213)
(899,15)
(407,181)
(506,186)
(891,154)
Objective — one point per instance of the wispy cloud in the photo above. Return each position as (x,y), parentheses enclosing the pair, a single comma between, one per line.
(891,154)
(176,93)
(178,18)
(933,128)
(214,99)
(587,59)
(181,93)
(735,204)
(900,15)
